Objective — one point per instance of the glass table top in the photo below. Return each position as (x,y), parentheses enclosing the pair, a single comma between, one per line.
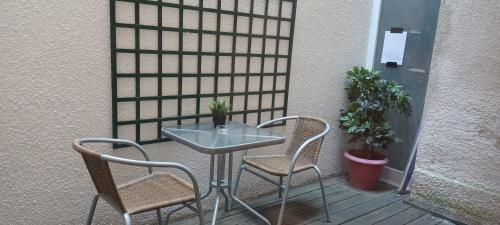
(234,136)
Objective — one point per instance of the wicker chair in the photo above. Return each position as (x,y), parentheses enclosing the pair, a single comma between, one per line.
(302,154)
(152,192)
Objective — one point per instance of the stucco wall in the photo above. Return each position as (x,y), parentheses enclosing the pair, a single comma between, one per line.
(457,168)
(55,87)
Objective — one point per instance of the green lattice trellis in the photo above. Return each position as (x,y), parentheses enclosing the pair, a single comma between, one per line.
(171,62)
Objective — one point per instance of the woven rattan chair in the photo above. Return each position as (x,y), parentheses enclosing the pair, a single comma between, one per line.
(302,154)
(151,192)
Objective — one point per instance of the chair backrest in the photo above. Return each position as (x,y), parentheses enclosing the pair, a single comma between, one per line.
(306,128)
(100,173)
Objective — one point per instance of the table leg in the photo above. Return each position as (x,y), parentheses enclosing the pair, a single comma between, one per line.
(216,208)
(229,205)
(212,162)
(219,185)
(222,161)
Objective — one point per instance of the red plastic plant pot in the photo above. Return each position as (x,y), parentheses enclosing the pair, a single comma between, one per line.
(364,173)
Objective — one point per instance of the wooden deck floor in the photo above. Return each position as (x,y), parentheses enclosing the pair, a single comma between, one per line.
(347,206)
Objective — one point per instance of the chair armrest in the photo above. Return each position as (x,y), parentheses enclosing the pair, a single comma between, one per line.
(297,154)
(263,125)
(118,141)
(150,164)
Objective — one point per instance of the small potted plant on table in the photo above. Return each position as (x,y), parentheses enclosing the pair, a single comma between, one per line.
(370,97)
(219,109)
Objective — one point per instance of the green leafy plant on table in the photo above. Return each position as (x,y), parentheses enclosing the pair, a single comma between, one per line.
(219,108)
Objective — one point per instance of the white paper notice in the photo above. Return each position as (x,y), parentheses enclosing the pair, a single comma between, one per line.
(394,47)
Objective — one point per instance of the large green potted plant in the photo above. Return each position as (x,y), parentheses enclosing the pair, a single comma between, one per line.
(370,97)
(219,109)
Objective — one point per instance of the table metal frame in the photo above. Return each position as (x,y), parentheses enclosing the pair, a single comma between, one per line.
(219,182)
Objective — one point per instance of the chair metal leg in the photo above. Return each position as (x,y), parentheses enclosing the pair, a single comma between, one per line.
(158,213)
(237,182)
(167,218)
(126,217)
(283,202)
(323,193)
(250,209)
(199,210)
(92,210)
(280,189)
(209,191)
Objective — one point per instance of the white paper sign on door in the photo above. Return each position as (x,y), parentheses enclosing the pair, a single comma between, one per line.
(394,47)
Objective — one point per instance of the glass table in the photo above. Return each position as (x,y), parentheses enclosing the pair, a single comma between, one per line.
(222,142)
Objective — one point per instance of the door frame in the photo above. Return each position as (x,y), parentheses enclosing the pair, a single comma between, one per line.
(373,33)
(389,175)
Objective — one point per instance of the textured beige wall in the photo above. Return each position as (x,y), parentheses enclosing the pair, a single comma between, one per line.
(457,162)
(55,87)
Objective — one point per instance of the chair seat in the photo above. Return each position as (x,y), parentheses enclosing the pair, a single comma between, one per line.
(277,165)
(155,191)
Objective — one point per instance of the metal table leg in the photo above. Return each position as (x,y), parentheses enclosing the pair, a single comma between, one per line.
(229,204)
(216,208)
(219,185)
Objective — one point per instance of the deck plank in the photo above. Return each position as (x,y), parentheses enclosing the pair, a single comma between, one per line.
(347,205)
(380,214)
(403,217)
(266,200)
(309,213)
(446,222)
(297,211)
(340,196)
(311,199)
(362,209)
(426,219)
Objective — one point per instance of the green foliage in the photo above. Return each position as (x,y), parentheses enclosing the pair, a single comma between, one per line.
(370,97)
(219,108)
